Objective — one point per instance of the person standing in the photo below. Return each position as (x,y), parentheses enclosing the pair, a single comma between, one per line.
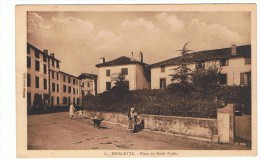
(132,118)
(72,109)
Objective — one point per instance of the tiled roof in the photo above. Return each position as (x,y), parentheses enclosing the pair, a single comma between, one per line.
(87,75)
(38,50)
(68,74)
(123,60)
(206,55)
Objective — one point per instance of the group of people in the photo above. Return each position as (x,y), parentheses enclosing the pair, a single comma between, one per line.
(73,109)
(132,117)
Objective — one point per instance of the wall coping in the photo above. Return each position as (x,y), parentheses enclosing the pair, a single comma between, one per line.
(179,117)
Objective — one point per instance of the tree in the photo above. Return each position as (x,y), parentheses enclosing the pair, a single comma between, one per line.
(121,84)
(206,80)
(182,74)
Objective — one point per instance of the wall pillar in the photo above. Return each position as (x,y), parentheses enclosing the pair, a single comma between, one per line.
(226,124)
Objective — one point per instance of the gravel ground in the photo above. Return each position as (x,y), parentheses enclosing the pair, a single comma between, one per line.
(56,131)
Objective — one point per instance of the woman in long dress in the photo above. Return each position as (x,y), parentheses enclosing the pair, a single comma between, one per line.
(72,109)
(132,119)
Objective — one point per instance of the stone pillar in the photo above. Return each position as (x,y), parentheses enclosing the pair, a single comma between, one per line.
(226,124)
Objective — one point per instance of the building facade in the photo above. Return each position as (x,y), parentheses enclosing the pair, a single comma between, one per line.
(234,64)
(137,73)
(88,83)
(46,83)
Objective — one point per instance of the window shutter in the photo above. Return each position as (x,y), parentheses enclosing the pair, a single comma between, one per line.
(241,78)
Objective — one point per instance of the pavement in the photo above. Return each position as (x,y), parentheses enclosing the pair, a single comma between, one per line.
(56,131)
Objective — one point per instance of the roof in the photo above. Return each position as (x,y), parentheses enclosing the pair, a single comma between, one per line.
(206,55)
(87,75)
(36,49)
(123,60)
(68,74)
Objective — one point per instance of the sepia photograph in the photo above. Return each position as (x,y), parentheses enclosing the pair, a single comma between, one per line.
(136,80)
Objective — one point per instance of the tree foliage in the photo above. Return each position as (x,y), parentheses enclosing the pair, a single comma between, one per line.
(182,74)
(121,84)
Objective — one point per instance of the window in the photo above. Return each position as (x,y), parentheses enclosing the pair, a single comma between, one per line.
(58,100)
(124,71)
(45,83)
(44,58)
(88,84)
(64,78)
(88,92)
(36,82)
(224,62)
(77,92)
(53,87)
(69,80)
(64,88)
(28,80)
(57,76)
(74,91)
(245,78)
(77,100)
(52,62)
(57,64)
(44,68)
(200,65)
(28,50)
(127,84)
(108,86)
(247,60)
(28,62)
(162,69)
(52,74)
(162,83)
(223,79)
(29,98)
(69,89)
(37,55)
(65,100)
(37,65)
(107,73)
(74,82)
(58,88)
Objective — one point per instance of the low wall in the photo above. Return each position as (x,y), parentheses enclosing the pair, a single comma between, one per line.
(195,127)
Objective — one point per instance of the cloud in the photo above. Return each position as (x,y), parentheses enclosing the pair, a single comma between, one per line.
(213,33)
(140,23)
(72,25)
(106,40)
(35,22)
(171,20)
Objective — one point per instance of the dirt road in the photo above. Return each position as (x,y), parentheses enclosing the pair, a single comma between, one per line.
(56,131)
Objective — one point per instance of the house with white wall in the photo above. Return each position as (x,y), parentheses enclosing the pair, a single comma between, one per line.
(234,63)
(137,73)
(88,83)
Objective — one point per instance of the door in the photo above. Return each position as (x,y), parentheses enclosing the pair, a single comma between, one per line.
(162,83)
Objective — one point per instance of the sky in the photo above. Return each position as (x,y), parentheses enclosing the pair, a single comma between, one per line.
(80,39)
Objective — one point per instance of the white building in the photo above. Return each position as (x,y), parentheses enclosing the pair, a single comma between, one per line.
(88,83)
(234,62)
(136,73)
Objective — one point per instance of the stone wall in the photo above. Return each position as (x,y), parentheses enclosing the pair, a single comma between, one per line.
(195,127)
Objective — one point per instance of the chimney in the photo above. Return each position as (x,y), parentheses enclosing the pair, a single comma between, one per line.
(102,60)
(52,55)
(45,51)
(233,49)
(132,57)
(141,57)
